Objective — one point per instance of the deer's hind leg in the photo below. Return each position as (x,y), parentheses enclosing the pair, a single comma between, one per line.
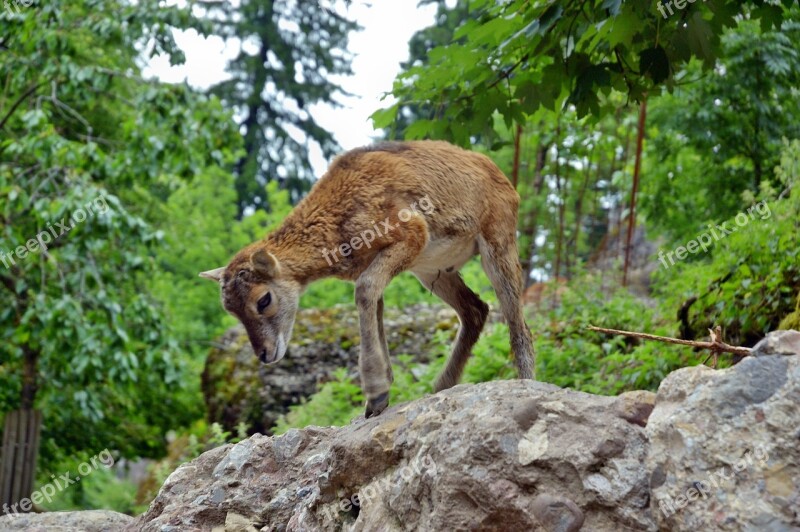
(498,248)
(472,312)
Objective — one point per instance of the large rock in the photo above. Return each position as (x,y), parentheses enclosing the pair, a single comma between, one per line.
(238,388)
(725,446)
(505,455)
(778,343)
(86,521)
(713,450)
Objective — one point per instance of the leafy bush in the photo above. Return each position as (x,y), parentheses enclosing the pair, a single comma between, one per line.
(745,288)
(100,489)
(570,355)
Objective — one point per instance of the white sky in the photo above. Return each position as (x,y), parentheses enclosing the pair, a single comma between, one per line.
(377,52)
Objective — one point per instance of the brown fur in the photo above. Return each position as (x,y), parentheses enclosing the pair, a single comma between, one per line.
(474,210)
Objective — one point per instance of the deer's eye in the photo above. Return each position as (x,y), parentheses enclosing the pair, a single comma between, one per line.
(264,302)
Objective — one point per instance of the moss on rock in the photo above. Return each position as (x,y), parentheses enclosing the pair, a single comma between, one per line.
(792,320)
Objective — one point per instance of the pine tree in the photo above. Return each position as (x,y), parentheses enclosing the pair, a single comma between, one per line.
(288,52)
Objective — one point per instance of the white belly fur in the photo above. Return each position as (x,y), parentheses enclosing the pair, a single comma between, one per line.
(444,254)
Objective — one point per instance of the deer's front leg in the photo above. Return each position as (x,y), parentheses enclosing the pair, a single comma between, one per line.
(373,362)
(410,238)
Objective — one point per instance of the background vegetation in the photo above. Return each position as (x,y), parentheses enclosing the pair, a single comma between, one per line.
(106,331)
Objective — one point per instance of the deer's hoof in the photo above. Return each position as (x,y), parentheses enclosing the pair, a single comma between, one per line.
(376,405)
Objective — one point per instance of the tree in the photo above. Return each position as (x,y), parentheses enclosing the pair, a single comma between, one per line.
(88,151)
(421,43)
(519,57)
(722,134)
(288,53)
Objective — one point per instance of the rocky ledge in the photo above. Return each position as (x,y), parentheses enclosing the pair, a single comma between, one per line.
(713,450)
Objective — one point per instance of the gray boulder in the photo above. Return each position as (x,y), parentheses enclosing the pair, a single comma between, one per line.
(725,447)
(778,343)
(504,455)
(713,450)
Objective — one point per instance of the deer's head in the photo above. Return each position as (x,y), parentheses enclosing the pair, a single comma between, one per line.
(265,301)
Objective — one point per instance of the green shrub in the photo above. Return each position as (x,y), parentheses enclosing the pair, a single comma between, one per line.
(748,281)
(568,354)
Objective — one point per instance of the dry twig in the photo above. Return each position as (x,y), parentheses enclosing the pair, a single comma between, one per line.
(717,345)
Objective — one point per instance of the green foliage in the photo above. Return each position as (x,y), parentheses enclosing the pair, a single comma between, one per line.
(336,403)
(101,490)
(792,320)
(743,287)
(327,293)
(83,132)
(517,58)
(721,135)
(571,356)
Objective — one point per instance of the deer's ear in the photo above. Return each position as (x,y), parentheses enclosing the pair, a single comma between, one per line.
(264,263)
(214,275)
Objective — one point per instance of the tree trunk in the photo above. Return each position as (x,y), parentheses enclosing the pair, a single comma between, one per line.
(531,226)
(579,207)
(562,209)
(29,377)
(515,169)
(637,167)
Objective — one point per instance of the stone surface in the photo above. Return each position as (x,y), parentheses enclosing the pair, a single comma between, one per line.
(238,388)
(778,343)
(712,450)
(86,521)
(720,450)
(504,455)
(725,447)
(636,406)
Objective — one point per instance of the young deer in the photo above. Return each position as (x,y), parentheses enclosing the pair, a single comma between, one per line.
(424,206)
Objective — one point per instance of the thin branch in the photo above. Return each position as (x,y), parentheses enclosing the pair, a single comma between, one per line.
(19,101)
(75,114)
(716,345)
